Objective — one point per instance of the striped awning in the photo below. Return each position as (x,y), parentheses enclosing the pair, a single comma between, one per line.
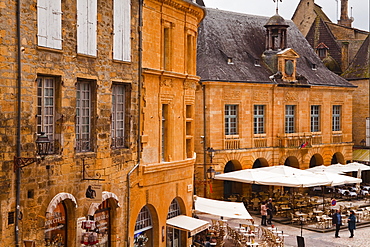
(361,155)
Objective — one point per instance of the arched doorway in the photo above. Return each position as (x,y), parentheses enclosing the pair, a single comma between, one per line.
(258,163)
(230,187)
(59,216)
(143,234)
(337,158)
(316,160)
(174,236)
(292,161)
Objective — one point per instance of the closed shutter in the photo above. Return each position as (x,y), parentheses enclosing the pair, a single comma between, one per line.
(42,17)
(86,26)
(55,27)
(91,24)
(82,26)
(122,30)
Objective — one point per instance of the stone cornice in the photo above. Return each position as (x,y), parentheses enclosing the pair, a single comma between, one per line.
(185,7)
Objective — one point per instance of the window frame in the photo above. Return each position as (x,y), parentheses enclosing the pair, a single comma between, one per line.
(119,135)
(315,118)
(231,127)
(259,119)
(336,118)
(290,121)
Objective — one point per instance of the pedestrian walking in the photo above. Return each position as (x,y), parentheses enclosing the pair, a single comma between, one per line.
(263,213)
(337,221)
(351,222)
(270,210)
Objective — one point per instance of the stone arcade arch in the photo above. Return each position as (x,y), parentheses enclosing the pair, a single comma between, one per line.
(292,161)
(337,158)
(316,160)
(258,163)
(231,187)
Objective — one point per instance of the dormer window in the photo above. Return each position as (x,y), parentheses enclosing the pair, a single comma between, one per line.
(314,66)
(230,60)
(257,63)
(322,50)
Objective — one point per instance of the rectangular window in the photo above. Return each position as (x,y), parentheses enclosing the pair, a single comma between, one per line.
(290,119)
(122,30)
(336,118)
(119,122)
(231,119)
(190,54)
(86,27)
(84,115)
(49,24)
(315,118)
(165,123)
(167,48)
(46,109)
(259,119)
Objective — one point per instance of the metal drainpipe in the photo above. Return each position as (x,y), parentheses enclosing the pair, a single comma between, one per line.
(204,141)
(140,50)
(18,144)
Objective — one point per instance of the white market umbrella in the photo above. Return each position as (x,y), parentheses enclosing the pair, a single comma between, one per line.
(325,169)
(355,166)
(284,170)
(252,176)
(337,179)
(296,180)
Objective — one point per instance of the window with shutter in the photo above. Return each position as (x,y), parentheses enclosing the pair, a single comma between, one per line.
(86,27)
(49,24)
(122,30)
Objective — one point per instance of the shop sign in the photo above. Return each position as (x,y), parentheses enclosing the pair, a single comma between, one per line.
(55,227)
(93,193)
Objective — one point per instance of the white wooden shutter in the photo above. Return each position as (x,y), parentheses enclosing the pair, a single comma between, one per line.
(55,26)
(91,24)
(42,17)
(122,30)
(82,26)
(127,30)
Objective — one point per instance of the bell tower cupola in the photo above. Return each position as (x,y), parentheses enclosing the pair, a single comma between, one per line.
(276,33)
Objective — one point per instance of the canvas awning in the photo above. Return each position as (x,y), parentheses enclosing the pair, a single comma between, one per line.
(361,155)
(231,210)
(189,224)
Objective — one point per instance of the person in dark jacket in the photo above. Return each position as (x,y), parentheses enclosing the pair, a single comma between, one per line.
(270,210)
(337,221)
(351,222)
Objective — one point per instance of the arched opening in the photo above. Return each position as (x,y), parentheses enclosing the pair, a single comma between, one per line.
(143,234)
(316,160)
(261,162)
(175,238)
(337,158)
(60,214)
(230,187)
(292,161)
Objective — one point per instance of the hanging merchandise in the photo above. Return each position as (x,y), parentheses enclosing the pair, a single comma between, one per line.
(90,235)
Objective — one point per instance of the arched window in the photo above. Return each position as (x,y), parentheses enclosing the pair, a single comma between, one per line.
(143,221)
(174,209)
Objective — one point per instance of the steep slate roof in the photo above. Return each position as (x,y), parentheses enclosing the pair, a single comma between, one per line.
(360,67)
(225,34)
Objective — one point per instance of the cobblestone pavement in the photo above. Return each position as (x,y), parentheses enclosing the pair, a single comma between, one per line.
(317,239)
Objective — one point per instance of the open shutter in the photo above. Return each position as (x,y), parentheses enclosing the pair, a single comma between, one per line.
(82,26)
(55,26)
(122,30)
(42,17)
(117,30)
(91,24)
(127,30)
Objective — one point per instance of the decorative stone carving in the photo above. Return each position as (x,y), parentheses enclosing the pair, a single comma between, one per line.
(290,96)
(234,94)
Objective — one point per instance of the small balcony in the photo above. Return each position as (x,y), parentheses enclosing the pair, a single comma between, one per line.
(298,140)
(232,142)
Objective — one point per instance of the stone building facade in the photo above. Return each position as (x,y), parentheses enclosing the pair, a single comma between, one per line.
(76,71)
(267,100)
(78,83)
(335,43)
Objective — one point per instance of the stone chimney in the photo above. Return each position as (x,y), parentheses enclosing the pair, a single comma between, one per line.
(344,19)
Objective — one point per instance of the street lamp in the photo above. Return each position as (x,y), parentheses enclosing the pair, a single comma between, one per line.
(42,149)
(211,153)
(363,142)
(211,173)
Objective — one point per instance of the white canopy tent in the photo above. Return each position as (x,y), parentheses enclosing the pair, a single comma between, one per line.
(186,223)
(225,209)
